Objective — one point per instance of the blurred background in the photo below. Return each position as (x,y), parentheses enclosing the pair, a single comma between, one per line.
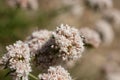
(19,18)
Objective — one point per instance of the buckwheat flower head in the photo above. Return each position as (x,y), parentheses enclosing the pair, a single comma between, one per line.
(106,31)
(17,59)
(55,73)
(37,40)
(99,4)
(69,42)
(91,37)
(112,16)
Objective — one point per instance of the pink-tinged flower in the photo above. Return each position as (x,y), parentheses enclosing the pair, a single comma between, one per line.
(37,40)
(64,45)
(55,73)
(69,42)
(17,59)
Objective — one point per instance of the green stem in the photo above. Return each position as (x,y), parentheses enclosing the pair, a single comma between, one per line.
(32,76)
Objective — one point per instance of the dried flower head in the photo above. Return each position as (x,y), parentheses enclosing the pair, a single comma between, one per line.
(112,16)
(55,73)
(91,37)
(105,30)
(69,42)
(25,4)
(99,4)
(37,40)
(17,59)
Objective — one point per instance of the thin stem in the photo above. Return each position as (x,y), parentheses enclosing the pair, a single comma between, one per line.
(32,76)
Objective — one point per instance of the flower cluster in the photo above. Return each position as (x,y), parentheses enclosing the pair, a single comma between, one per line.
(69,42)
(37,40)
(105,30)
(18,60)
(55,73)
(64,45)
(91,37)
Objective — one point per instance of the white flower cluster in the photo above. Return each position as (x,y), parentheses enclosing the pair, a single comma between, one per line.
(37,40)
(91,37)
(18,60)
(64,45)
(105,30)
(100,4)
(55,73)
(69,42)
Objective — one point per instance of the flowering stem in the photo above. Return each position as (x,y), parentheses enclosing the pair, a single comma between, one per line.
(32,76)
